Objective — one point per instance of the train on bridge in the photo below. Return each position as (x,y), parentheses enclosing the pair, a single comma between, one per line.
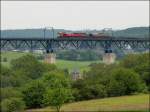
(82,35)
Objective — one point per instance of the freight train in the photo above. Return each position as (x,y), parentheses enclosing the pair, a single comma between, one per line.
(82,35)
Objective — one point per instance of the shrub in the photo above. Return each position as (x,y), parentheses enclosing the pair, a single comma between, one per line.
(9,92)
(28,65)
(93,91)
(129,80)
(83,90)
(12,105)
(33,94)
(115,88)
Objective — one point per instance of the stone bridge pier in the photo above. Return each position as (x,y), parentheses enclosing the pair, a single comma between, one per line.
(109,58)
(50,57)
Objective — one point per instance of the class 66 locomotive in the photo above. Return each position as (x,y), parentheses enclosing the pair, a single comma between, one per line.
(82,35)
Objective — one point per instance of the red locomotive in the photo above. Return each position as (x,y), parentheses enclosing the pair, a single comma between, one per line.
(81,35)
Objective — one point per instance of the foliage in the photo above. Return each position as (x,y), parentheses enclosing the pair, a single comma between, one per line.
(33,94)
(56,79)
(9,92)
(140,64)
(10,78)
(48,67)
(44,84)
(58,89)
(125,81)
(107,80)
(12,105)
(57,97)
(28,65)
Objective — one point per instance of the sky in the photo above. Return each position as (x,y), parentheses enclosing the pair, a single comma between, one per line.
(74,15)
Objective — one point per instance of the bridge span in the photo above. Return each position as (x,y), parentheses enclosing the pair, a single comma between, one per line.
(49,44)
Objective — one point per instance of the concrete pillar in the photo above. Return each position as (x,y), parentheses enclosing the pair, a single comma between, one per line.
(109,58)
(50,58)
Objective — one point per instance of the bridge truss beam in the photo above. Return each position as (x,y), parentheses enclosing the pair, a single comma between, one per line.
(74,43)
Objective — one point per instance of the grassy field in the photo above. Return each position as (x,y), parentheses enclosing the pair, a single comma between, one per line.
(123,103)
(63,64)
(10,56)
(81,65)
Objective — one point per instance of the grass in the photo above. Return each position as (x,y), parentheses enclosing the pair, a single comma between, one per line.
(10,56)
(81,65)
(139,103)
(62,64)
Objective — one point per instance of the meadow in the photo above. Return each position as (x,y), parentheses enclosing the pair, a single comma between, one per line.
(138,103)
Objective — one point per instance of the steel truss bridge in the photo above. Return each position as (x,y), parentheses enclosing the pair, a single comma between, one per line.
(49,44)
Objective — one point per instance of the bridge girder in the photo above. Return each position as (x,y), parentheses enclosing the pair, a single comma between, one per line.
(57,43)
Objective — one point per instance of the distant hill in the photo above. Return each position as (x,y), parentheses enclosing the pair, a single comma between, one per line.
(39,33)
(133,32)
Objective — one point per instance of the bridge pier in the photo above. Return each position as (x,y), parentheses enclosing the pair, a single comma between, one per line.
(50,57)
(109,57)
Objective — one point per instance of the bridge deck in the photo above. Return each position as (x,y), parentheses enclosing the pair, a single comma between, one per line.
(78,39)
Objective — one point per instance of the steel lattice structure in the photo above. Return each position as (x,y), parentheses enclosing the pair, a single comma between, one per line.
(64,43)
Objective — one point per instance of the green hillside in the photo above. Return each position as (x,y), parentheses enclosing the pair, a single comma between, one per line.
(63,64)
(123,103)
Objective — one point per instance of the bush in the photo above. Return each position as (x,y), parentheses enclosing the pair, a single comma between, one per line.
(6,77)
(28,65)
(12,105)
(33,94)
(115,88)
(7,93)
(128,80)
(83,90)
(10,78)
(140,64)
(93,92)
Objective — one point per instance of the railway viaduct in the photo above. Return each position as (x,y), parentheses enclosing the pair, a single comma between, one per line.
(50,44)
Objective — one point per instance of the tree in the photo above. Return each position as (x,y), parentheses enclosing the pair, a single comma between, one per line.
(129,80)
(33,94)
(28,65)
(5,77)
(58,89)
(140,64)
(57,97)
(115,88)
(56,79)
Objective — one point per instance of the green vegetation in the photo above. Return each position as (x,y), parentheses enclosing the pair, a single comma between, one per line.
(10,56)
(70,65)
(34,84)
(138,103)
(62,64)
(79,55)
